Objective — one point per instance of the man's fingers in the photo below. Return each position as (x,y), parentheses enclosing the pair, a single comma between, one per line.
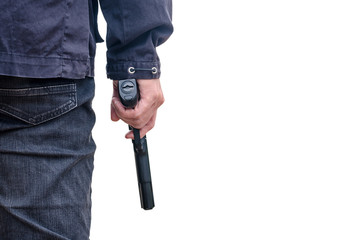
(143,116)
(114,116)
(133,116)
(118,111)
(145,129)
(148,126)
(129,135)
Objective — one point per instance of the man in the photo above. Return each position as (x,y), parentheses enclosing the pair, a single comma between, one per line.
(47,50)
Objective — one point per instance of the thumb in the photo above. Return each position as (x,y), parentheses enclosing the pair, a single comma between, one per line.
(114,116)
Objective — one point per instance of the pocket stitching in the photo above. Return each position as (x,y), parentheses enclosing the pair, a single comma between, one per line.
(45,116)
(66,107)
(39,91)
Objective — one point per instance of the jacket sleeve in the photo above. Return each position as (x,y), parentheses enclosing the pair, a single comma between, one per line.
(134,29)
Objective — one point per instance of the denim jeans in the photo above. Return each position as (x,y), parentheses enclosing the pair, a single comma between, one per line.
(46,158)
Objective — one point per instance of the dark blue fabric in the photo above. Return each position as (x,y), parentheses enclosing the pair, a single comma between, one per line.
(57,39)
(47,50)
(46,158)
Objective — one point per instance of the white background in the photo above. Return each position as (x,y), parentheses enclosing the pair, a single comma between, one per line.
(260,135)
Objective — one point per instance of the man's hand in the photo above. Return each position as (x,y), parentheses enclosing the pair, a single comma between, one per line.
(143,116)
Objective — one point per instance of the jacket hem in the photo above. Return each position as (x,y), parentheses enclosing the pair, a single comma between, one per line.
(45,67)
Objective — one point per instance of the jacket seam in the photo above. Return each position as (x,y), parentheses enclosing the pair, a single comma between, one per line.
(66,17)
(121,7)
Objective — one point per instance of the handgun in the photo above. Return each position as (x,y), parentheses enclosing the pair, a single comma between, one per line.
(129,96)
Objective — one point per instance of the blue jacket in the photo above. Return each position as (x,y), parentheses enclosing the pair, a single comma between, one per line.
(57,38)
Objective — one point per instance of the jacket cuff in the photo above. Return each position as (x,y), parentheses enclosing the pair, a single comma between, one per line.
(136,70)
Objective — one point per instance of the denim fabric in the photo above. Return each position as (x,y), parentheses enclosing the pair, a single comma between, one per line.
(46,158)
(57,38)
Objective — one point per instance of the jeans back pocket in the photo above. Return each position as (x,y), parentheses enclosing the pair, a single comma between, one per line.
(36,105)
